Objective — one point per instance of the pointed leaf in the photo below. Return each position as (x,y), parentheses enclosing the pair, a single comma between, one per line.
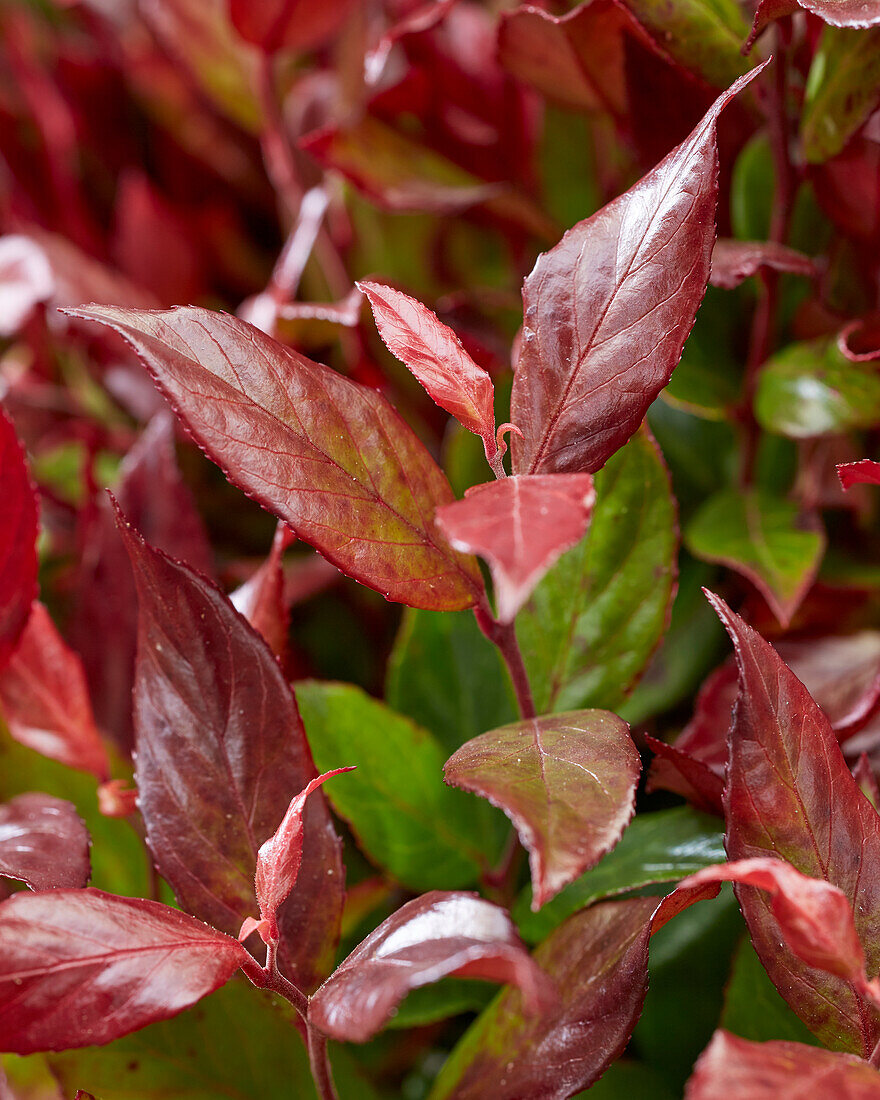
(595,619)
(435,355)
(766,539)
(607,311)
(81,967)
(863,472)
(44,843)
(18,539)
(566,781)
(734,261)
(220,749)
(790,794)
(427,939)
(521,526)
(731,1068)
(262,600)
(45,700)
(334,460)
(599,961)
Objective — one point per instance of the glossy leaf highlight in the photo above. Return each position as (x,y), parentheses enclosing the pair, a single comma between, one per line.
(44,843)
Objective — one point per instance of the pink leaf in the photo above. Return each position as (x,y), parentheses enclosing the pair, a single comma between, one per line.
(607,311)
(429,938)
(521,526)
(435,355)
(288,24)
(734,261)
(863,472)
(566,781)
(44,843)
(18,538)
(45,700)
(81,967)
(25,280)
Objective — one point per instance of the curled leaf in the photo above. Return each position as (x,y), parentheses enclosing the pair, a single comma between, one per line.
(44,843)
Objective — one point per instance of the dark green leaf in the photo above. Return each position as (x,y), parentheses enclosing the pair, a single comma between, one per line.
(752,1006)
(448,998)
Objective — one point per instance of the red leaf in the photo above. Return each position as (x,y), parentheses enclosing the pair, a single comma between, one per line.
(731,1068)
(607,311)
(220,747)
(328,456)
(734,261)
(521,526)
(18,539)
(44,843)
(45,700)
(25,280)
(435,355)
(261,599)
(599,960)
(81,967)
(280,857)
(863,472)
(673,769)
(566,781)
(288,24)
(790,794)
(429,938)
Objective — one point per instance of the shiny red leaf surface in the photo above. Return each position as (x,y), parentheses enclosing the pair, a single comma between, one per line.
(566,781)
(731,1068)
(863,472)
(45,700)
(44,843)
(18,537)
(327,455)
(435,355)
(790,794)
(429,938)
(599,961)
(607,311)
(521,525)
(220,751)
(81,967)
(734,261)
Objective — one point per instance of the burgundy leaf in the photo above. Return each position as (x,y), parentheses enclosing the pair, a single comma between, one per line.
(288,24)
(116,798)
(607,311)
(327,455)
(261,599)
(45,700)
(521,526)
(790,794)
(566,781)
(18,538)
(81,967)
(44,843)
(734,261)
(863,472)
(731,1068)
(220,750)
(844,13)
(435,355)
(599,960)
(673,769)
(280,857)
(767,12)
(81,1095)
(429,938)
(864,775)
(25,280)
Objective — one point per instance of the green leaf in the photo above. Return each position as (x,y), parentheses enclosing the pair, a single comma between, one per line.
(751,190)
(811,389)
(425,834)
(628,1081)
(753,1007)
(448,998)
(595,619)
(658,847)
(764,538)
(843,87)
(444,674)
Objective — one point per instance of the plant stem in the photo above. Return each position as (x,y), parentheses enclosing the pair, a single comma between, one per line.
(503,635)
(874,1060)
(320,1065)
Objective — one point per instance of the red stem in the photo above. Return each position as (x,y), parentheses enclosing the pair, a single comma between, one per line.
(503,635)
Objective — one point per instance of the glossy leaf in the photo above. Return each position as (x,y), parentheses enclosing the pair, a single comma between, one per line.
(599,961)
(784,772)
(766,539)
(841,87)
(81,967)
(607,311)
(429,938)
(734,1069)
(593,622)
(521,526)
(287,24)
(18,537)
(335,461)
(25,280)
(435,355)
(566,781)
(220,752)
(863,472)
(44,843)
(418,830)
(45,700)
(664,846)
(734,261)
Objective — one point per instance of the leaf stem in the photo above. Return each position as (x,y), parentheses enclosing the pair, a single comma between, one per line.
(503,635)
(320,1064)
